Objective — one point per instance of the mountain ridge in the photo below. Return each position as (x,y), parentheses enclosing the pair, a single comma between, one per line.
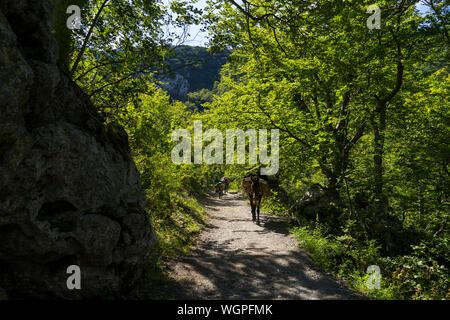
(191,69)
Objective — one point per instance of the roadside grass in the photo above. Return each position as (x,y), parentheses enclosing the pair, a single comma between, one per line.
(177,230)
(422,274)
(409,277)
(344,261)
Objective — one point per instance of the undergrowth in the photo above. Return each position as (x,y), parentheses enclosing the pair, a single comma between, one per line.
(177,229)
(414,276)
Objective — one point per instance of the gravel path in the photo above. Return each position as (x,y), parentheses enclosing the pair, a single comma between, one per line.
(238,259)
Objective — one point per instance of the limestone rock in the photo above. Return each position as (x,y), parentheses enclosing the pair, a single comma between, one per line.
(319,201)
(69,190)
(177,85)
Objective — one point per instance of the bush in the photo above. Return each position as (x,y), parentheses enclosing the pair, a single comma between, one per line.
(415,276)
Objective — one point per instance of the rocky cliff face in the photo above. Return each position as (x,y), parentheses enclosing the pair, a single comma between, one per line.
(193,69)
(176,86)
(69,191)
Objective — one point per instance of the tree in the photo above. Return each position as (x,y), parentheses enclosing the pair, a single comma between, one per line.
(120,47)
(336,91)
(318,73)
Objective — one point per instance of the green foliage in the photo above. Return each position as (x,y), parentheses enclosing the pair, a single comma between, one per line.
(114,57)
(273,204)
(316,87)
(149,124)
(363,113)
(171,190)
(415,276)
(196,100)
(118,49)
(120,46)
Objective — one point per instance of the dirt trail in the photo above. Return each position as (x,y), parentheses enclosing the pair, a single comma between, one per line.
(238,259)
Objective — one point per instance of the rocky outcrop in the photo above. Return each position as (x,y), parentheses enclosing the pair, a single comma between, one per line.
(70,193)
(191,69)
(176,86)
(318,200)
(318,203)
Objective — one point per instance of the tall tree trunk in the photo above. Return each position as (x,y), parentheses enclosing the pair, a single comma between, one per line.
(379,128)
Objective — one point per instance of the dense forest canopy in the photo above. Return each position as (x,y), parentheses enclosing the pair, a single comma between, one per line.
(363,115)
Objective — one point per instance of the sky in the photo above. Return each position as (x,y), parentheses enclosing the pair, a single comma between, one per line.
(199,38)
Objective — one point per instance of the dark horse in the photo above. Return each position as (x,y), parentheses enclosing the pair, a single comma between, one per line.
(218,189)
(226,183)
(254,191)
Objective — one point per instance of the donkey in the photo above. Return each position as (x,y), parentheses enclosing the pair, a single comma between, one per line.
(253,188)
(255,196)
(218,188)
(226,182)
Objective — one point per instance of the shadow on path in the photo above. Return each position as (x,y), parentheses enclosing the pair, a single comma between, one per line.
(238,259)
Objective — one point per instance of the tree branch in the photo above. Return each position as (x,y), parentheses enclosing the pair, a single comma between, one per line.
(86,40)
(248,14)
(303,142)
